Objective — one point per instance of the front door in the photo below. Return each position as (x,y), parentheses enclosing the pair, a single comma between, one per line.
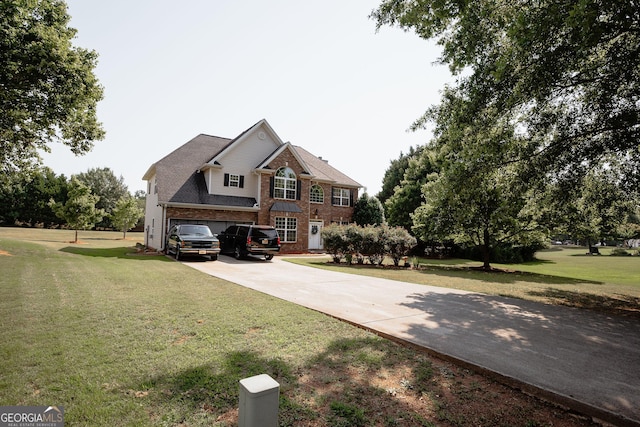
(315,240)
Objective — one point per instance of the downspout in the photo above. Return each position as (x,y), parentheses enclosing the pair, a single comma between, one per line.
(164,226)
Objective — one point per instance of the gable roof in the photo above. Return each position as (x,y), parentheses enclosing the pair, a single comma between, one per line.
(321,170)
(265,163)
(179,178)
(175,171)
(215,160)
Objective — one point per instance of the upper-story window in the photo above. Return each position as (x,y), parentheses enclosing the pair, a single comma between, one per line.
(341,197)
(284,184)
(316,194)
(233,180)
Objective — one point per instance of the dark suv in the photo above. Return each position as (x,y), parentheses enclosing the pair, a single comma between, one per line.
(192,239)
(242,239)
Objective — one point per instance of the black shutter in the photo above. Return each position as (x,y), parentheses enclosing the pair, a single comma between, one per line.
(271,184)
(333,199)
(298,190)
(350,198)
(226,179)
(241,181)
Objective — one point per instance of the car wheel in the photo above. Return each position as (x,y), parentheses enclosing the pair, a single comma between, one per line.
(237,253)
(268,257)
(177,253)
(214,257)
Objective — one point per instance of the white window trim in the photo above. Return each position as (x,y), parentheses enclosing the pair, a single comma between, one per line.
(287,186)
(283,232)
(321,194)
(344,197)
(234,180)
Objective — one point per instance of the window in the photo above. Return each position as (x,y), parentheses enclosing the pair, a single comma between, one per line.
(316,194)
(233,180)
(341,197)
(287,229)
(284,184)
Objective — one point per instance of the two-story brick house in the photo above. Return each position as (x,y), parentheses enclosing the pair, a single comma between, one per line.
(255,178)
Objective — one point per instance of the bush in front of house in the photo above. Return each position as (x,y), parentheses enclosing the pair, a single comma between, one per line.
(335,242)
(370,242)
(373,247)
(354,238)
(398,243)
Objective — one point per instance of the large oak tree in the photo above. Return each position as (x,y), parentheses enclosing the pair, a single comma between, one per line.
(565,73)
(48,91)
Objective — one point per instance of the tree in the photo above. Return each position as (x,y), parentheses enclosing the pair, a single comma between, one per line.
(477,198)
(564,71)
(407,196)
(126,214)
(107,187)
(79,211)
(48,92)
(368,211)
(595,210)
(395,173)
(141,199)
(25,197)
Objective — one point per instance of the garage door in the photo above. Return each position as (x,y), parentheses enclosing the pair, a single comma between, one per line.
(216,227)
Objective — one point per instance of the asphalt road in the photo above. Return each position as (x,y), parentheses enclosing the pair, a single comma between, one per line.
(583,359)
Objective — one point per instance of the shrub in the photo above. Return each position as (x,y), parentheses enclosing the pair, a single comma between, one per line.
(334,241)
(502,253)
(354,237)
(619,252)
(398,242)
(373,244)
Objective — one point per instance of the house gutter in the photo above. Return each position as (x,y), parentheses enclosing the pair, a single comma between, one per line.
(213,207)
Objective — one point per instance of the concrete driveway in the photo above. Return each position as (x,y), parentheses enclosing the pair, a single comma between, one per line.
(586,360)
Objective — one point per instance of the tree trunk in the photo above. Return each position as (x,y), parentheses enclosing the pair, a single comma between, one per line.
(76,241)
(486,253)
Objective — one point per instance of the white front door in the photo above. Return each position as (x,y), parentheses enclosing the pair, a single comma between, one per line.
(315,241)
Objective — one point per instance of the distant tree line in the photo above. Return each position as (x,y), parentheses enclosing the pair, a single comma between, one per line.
(93,199)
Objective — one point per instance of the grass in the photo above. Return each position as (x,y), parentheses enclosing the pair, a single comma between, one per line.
(561,275)
(138,340)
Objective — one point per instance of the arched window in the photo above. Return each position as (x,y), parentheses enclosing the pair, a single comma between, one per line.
(316,194)
(284,184)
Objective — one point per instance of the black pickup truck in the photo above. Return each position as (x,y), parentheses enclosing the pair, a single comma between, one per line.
(192,239)
(242,240)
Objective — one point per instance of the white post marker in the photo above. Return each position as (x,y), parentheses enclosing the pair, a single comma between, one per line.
(259,401)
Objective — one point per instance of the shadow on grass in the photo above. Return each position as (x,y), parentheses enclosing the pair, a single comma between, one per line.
(503,276)
(334,386)
(121,252)
(463,272)
(619,305)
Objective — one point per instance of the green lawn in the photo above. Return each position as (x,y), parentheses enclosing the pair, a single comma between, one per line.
(561,275)
(120,339)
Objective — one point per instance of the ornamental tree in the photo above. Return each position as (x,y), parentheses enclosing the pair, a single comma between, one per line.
(79,211)
(126,214)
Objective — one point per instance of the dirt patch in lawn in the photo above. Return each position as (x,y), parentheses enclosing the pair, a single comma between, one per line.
(372,386)
(4,253)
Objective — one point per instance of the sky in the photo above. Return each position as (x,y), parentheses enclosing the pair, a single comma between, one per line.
(318,72)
